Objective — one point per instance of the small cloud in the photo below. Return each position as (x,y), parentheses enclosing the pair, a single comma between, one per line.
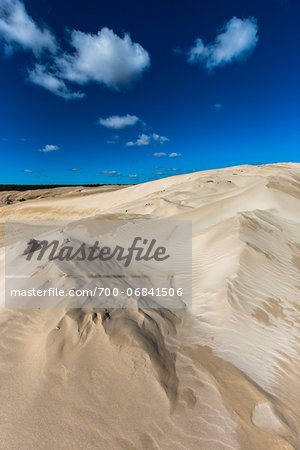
(236,40)
(142,140)
(160,154)
(132,175)
(112,173)
(75,169)
(145,139)
(218,106)
(27,170)
(119,122)
(160,139)
(158,173)
(174,155)
(49,148)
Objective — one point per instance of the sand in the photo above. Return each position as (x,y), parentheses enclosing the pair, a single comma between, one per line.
(223,374)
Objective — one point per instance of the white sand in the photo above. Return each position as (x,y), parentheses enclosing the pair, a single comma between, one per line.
(223,375)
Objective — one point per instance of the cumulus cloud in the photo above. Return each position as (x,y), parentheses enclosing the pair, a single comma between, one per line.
(235,41)
(18,29)
(145,139)
(103,58)
(119,122)
(160,154)
(49,148)
(75,169)
(43,77)
(27,171)
(174,155)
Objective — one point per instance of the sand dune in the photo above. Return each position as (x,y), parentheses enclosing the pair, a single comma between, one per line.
(223,374)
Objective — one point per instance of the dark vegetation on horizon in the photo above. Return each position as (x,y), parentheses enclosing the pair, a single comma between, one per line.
(27,187)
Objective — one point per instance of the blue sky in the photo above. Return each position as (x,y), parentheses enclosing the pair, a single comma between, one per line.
(128,91)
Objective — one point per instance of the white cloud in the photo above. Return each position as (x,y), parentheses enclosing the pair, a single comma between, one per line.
(28,170)
(174,155)
(49,148)
(113,173)
(75,169)
(119,122)
(103,58)
(18,29)
(160,154)
(145,139)
(41,76)
(142,140)
(133,175)
(237,39)
(160,139)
